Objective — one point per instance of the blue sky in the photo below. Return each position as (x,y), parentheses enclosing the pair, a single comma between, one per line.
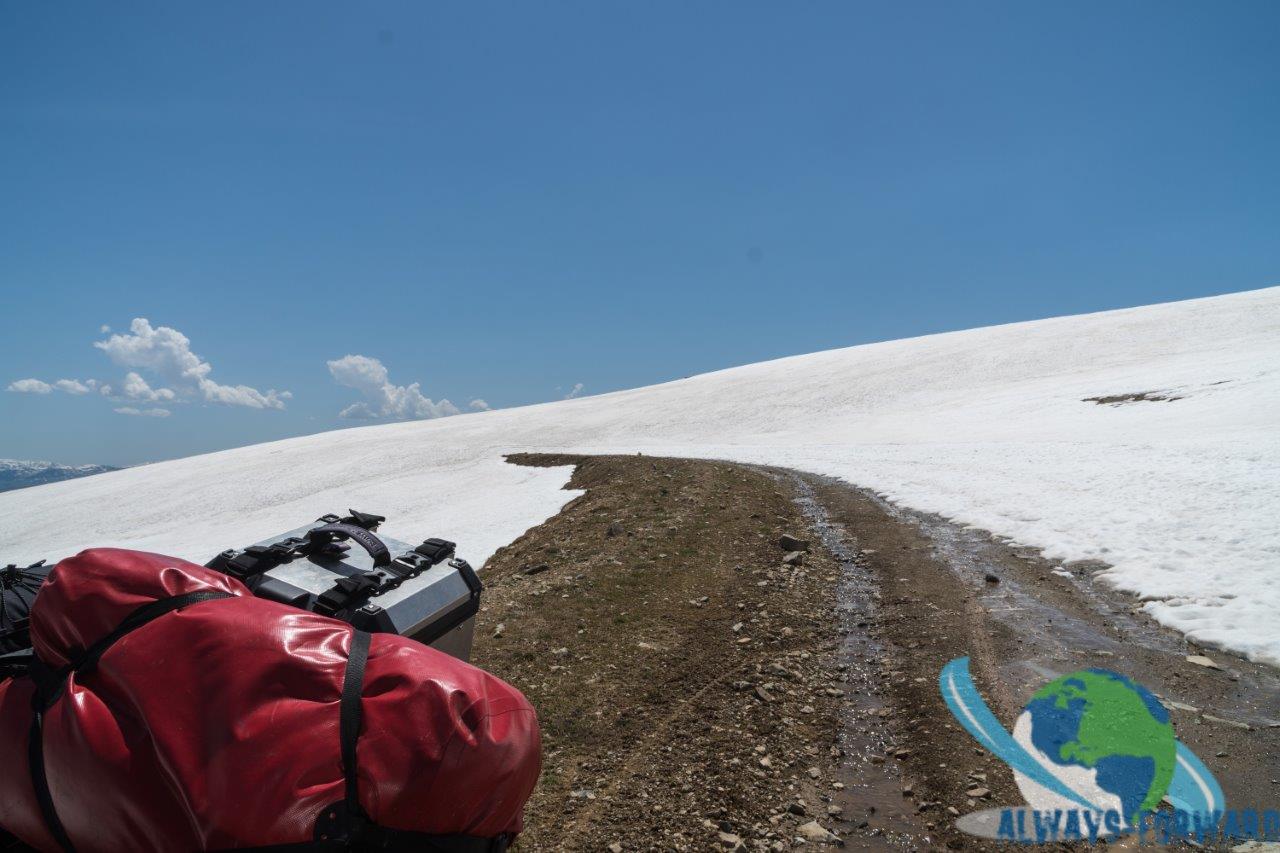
(500,201)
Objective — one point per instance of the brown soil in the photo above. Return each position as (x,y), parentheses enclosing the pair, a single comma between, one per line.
(685,679)
(657,713)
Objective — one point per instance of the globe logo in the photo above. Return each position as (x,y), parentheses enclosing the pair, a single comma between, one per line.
(1101,736)
(1094,755)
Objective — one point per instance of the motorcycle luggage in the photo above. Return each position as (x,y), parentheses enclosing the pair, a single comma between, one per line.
(165,708)
(424,592)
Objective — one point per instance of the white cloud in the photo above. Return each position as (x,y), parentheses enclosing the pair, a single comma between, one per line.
(383,399)
(67,386)
(167,353)
(479,405)
(30,386)
(575,391)
(136,388)
(75,386)
(105,329)
(145,413)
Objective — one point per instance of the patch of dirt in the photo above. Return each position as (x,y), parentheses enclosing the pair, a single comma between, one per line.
(1137,397)
(688,683)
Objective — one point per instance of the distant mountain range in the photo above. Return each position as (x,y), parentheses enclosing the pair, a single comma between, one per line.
(19,473)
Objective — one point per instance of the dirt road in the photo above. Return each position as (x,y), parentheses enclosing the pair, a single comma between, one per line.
(696,691)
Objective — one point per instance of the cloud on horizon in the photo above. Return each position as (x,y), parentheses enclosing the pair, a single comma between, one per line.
(382,398)
(145,413)
(166,354)
(67,386)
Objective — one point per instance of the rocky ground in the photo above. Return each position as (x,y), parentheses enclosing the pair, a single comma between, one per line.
(684,664)
(704,681)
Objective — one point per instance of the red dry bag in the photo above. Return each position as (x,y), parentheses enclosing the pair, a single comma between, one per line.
(165,708)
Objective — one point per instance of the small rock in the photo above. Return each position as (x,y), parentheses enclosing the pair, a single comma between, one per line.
(1201,660)
(766,763)
(615,847)
(992,578)
(814,773)
(737,626)
(978,793)
(729,840)
(1174,705)
(498,631)
(797,809)
(763,695)
(615,529)
(535,570)
(834,811)
(648,647)
(813,831)
(787,542)
(794,558)
(1235,724)
(560,653)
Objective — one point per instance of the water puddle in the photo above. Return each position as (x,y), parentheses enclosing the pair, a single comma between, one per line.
(875,813)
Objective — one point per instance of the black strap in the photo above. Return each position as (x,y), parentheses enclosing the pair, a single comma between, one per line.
(35,759)
(377,549)
(436,550)
(87,661)
(350,717)
(50,682)
(345,822)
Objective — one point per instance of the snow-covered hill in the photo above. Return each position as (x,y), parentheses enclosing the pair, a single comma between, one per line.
(1170,473)
(20,473)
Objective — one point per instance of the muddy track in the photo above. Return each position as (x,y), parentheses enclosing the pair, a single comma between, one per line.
(696,693)
(947,592)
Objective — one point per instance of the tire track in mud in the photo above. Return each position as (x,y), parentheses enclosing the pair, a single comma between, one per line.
(948,591)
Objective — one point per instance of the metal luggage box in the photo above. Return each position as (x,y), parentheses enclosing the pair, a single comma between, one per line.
(432,602)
